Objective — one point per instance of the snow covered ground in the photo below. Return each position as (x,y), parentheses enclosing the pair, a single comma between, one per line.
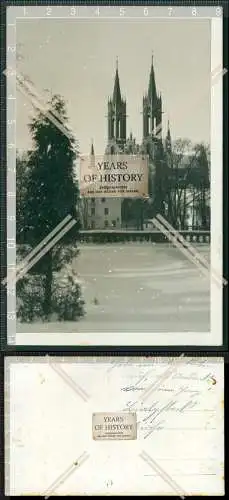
(131,289)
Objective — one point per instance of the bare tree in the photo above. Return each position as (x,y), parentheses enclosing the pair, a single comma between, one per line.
(187,183)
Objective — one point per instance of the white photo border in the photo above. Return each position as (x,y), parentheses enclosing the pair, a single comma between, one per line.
(215,336)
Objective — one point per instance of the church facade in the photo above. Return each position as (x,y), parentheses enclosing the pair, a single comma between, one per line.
(107,213)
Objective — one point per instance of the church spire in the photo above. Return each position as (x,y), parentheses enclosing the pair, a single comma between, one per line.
(152,108)
(168,141)
(117,113)
(168,132)
(92,148)
(92,155)
(117,92)
(152,92)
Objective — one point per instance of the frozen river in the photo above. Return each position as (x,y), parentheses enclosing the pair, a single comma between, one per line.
(138,288)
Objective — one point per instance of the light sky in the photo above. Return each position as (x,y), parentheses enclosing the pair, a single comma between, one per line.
(77,60)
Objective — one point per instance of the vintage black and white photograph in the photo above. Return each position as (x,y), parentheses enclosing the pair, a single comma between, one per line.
(130,266)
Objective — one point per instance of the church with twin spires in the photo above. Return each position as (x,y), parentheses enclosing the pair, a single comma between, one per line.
(106,213)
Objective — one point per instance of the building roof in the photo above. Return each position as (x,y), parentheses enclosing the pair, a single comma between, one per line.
(117,98)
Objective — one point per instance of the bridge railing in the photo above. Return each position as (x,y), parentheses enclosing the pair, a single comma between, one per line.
(113,236)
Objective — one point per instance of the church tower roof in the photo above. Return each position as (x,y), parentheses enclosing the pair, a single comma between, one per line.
(117,98)
(152,109)
(92,148)
(152,91)
(168,132)
(168,141)
(117,114)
